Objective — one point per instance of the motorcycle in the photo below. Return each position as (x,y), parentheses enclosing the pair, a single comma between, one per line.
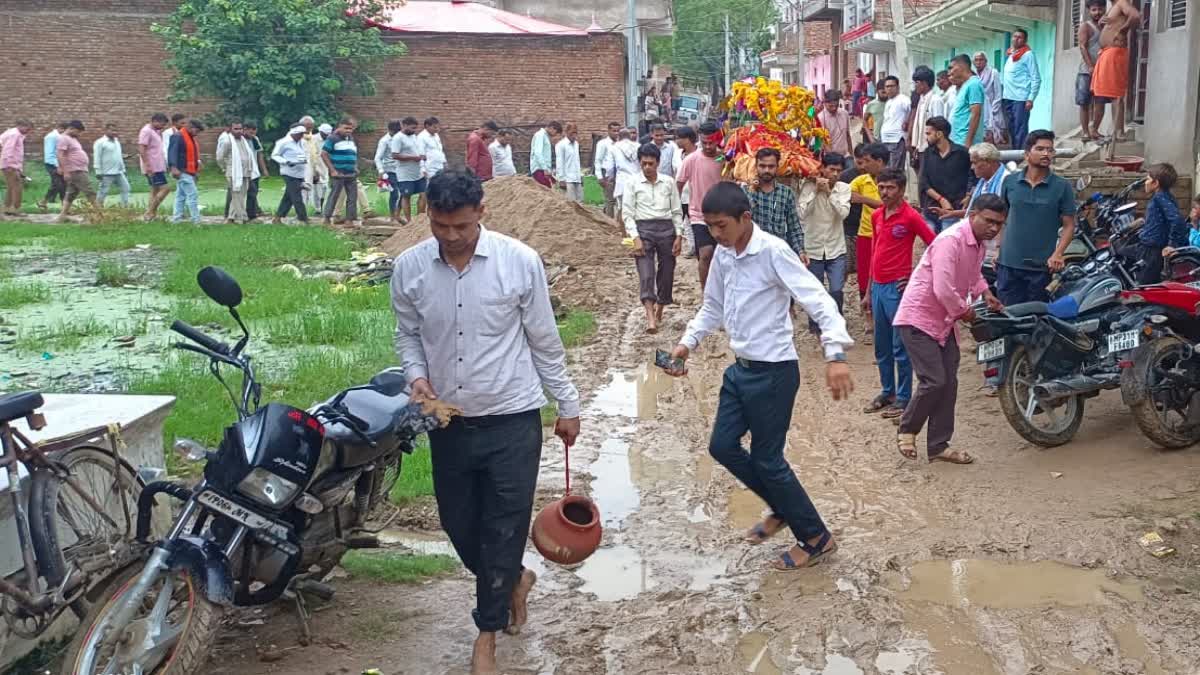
(1161,382)
(283,496)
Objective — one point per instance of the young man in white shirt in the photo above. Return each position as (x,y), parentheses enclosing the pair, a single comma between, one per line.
(754,269)
(602,152)
(653,218)
(566,161)
(895,121)
(501,153)
(623,164)
(430,140)
(385,166)
(110,165)
(409,158)
(474,327)
(824,203)
(658,136)
(541,153)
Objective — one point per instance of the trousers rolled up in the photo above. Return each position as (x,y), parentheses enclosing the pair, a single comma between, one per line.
(337,186)
(656,265)
(485,472)
(107,182)
(235,199)
(758,397)
(293,197)
(936,367)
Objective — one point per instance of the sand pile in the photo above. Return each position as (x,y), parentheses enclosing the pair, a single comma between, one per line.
(563,232)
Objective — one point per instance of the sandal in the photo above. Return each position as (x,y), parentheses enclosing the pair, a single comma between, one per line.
(879,403)
(907,445)
(816,554)
(893,411)
(952,457)
(759,534)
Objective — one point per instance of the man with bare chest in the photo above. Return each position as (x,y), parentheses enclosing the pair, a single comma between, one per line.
(1110,77)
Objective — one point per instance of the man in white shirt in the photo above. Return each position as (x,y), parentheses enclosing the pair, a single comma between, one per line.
(409,156)
(566,160)
(602,152)
(754,269)
(928,107)
(541,153)
(385,166)
(237,159)
(947,91)
(110,165)
(895,119)
(474,328)
(824,204)
(623,164)
(658,136)
(291,154)
(430,140)
(653,218)
(501,153)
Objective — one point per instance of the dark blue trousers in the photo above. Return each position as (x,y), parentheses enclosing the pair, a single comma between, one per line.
(484,474)
(758,397)
(1015,286)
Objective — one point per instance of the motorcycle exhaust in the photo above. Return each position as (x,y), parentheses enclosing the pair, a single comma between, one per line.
(1075,385)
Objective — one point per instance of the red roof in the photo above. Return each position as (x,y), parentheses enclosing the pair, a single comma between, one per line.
(421,16)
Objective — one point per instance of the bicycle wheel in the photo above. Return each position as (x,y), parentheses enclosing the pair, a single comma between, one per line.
(68,532)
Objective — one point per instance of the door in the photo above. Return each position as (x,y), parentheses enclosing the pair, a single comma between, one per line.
(1139,64)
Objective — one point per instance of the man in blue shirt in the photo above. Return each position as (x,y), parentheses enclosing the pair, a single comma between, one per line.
(968,118)
(58,184)
(1039,203)
(1164,224)
(1022,80)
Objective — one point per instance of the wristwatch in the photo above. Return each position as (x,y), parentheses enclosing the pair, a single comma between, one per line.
(840,357)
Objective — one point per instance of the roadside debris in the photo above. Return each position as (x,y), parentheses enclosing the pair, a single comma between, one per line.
(1152,543)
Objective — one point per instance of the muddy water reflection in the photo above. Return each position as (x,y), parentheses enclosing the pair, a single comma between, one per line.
(987,583)
(615,573)
(632,394)
(612,483)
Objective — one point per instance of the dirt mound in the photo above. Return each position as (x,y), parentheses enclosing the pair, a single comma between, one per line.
(567,235)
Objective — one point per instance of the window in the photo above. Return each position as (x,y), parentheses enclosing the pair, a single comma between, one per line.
(1176,13)
(1076,8)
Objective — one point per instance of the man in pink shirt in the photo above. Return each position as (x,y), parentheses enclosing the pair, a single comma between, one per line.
(154,161)
(12,164)
(936,297)
(699,172)
(837,122)
(73,167)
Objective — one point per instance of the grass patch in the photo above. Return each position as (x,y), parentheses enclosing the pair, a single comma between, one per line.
(114,274)
(17,293)
(338,327)
(64,335)
(593,193)
(416,475)
(576,327)
(394,567)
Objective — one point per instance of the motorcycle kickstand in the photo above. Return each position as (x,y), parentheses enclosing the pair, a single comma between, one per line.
(304,616)
(296,589)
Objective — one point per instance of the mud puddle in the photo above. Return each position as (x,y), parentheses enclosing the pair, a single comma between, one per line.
(999,585)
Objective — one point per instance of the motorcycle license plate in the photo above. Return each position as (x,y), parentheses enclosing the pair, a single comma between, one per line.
(990,351)
(1123,342)
(242,515)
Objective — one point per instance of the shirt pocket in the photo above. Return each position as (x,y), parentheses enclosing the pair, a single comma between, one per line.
(498,313)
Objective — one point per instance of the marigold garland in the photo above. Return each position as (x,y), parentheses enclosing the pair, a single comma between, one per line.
(771,112)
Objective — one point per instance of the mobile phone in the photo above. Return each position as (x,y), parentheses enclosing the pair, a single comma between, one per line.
(663,360)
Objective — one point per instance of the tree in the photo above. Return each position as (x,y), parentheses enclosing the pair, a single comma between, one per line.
(275,60)
(698,46)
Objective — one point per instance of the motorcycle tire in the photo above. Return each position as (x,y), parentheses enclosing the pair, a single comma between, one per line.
(1136,387)
(189,654)
(1013,396)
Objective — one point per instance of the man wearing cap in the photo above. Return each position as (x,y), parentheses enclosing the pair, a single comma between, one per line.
(291,154)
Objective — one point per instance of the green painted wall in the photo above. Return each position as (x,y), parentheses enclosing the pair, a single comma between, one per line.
(1041,41)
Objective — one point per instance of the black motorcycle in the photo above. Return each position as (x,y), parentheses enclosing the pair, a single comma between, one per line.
(281,499)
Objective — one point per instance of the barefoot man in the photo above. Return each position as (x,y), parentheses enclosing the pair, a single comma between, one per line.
(474,325)
(1110,75)
(754,269)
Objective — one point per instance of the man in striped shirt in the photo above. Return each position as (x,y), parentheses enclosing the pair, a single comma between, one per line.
(340,154)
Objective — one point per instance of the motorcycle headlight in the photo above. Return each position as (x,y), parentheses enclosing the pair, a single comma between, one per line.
(267,488)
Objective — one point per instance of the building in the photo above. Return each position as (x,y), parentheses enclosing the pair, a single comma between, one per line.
(780,61)
(869,30)
(970,26)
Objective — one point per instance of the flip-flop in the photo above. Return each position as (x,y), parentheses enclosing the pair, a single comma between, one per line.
(907,445)
(816,554)
(953,457)
(893,411)
(878,403)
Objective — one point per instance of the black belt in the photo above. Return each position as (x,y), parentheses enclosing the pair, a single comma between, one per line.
(761,365)
(484,421)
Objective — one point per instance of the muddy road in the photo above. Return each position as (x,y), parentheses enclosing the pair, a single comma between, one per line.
(1026,562)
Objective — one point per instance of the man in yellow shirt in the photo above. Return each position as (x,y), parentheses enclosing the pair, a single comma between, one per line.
(864,191)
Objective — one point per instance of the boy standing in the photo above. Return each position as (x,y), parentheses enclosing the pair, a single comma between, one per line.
(759,390)
(1164,223)
(896,226)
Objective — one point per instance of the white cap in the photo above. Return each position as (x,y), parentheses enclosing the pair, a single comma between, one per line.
(297,130)
(325,129)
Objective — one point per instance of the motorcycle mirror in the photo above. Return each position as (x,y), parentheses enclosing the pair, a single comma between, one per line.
(190,450)
(220,286)
(1083,182)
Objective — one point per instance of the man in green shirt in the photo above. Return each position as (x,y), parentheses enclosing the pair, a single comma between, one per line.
(873,114)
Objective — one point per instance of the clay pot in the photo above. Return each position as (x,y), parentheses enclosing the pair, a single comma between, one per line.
(567,531)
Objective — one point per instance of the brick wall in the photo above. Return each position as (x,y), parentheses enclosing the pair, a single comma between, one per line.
(96,60)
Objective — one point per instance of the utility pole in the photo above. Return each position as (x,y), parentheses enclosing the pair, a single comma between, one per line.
(900,35)
(631,52)
(799,43)
(726,54)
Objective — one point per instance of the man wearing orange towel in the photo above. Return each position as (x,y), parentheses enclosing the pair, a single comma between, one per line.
(1110,76)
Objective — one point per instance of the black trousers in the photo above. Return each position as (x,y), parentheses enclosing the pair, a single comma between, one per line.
(251,200)
(485,472)
(293,196)
(58,185)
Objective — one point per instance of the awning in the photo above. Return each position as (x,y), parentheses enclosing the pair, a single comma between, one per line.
(964,20)
(866,38)
(421,16)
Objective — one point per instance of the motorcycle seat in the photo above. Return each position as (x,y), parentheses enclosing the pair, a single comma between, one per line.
(20,404)
(1027,309)
(378,404)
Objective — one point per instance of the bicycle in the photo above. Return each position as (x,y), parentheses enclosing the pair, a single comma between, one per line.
(70,537)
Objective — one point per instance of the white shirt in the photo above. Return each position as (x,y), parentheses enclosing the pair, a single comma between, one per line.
(949,98)
(383,155)
(485,338)
(749,295)
(895,114)
(502,161)
(166,136)
(405,144)
(295,153)
(603,150)
(566,161)
(435,155)
(822,214)
(930,106)
(106,156)
(223,140)
(666,159)
(623,163)
(540,152)
(644,200)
